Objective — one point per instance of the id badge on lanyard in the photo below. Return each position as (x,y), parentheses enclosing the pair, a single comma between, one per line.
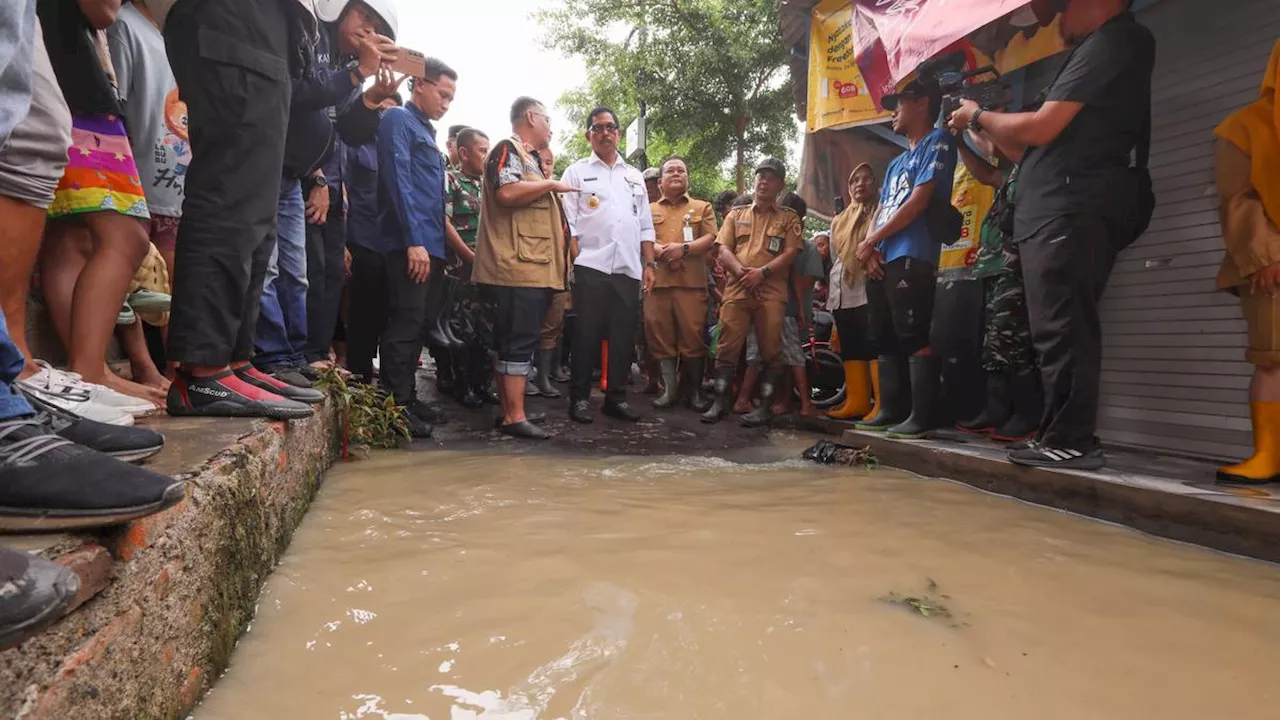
(688,228)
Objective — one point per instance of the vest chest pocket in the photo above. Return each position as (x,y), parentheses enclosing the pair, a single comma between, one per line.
(534,242)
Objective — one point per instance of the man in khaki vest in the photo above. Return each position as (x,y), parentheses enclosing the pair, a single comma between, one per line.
(520,255)
(675,313)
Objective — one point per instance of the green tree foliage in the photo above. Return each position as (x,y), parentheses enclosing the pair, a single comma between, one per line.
(712,73)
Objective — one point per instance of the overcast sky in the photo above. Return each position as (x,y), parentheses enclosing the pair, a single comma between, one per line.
(497,48)
(499,51)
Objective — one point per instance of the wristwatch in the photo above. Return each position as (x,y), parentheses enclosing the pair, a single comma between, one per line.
(684,249)
(320,181)
(353,67)
(652,264)
(768,272)
(974,125)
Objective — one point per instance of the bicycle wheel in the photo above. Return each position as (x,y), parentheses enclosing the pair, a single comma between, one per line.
(826,381)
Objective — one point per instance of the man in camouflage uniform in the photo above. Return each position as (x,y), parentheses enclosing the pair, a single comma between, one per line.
(1008,355)
(468,365)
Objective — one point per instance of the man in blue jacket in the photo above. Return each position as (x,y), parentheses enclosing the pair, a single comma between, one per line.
(411,184)
(325,87)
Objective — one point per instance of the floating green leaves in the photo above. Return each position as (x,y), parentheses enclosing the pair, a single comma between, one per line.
(371,419)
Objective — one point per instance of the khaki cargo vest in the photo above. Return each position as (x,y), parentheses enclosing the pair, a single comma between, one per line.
(522,246)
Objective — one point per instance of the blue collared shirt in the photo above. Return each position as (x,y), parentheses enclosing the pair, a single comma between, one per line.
(410,182)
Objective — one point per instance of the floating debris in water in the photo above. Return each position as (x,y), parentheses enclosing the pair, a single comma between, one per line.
(833,453)
(931,604)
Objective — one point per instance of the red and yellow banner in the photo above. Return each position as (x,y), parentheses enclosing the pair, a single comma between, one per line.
(838,95)
(859,50)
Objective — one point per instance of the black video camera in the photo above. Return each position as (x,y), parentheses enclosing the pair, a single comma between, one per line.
(948,74)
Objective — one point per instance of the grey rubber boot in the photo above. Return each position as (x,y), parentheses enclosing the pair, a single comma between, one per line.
(763,412)
(720,403)
(545,363)
(670,384)
(693,375)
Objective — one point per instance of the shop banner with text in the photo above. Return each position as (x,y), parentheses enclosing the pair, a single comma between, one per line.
(837,93)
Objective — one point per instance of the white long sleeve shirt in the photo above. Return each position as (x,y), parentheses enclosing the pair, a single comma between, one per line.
(609,234)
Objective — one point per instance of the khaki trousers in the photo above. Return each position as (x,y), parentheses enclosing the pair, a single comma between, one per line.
(737,317)
(674,321)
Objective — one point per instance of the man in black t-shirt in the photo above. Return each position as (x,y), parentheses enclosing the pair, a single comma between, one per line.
(1077,208)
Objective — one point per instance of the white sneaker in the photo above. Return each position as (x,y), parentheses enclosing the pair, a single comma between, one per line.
(88,400)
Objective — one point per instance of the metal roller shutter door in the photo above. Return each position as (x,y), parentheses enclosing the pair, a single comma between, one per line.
(1173,371)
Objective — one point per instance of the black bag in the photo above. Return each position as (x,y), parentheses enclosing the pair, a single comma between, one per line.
(69,37)
(1145,196)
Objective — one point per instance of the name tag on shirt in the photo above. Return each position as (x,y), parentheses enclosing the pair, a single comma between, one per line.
(688,234)
(775,244)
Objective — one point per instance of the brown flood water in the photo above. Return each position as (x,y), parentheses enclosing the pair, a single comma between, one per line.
(472,585)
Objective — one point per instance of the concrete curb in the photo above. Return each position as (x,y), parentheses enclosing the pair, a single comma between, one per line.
(185,586)
(1162,506)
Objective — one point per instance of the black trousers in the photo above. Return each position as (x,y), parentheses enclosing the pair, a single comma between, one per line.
(230,58)
(367,309)
(901,307)
(401,345)
(854,326)
(1065,266)
(607,308)
(326,274)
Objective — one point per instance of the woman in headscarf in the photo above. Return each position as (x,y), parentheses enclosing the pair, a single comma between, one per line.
(1247,166)
(847,296)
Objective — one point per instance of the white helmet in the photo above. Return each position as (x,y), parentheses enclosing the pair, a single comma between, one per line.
(331,10)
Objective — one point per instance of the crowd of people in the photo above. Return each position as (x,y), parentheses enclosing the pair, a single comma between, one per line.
(236,190)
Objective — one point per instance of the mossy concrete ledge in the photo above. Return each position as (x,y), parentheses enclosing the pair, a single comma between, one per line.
(173,591)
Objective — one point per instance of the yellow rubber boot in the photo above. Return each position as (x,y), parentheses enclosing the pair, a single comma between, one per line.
(857,392)
(875,389)
(1264,466)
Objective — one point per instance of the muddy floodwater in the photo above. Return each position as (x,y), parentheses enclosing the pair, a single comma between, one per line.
(456,585)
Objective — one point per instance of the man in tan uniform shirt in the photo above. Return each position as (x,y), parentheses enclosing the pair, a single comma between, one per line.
(675,313)
(757,244)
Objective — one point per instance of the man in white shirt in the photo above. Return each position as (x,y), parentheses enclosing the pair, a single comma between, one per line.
(612,232)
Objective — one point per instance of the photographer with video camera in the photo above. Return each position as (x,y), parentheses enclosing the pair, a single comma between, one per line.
(901,253)
(1079,203)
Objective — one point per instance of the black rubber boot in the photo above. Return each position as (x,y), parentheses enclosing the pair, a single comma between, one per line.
(446,378)
(463,385)
(436,291)
(998,409)
(1028,406)
(544,363)
(560,368)
(763,412)
(693,370)
(895,386)
(670,384)
(924,387)
(721,403)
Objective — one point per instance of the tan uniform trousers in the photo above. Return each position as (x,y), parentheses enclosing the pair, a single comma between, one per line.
(674,321)
(553,320)
(739,316)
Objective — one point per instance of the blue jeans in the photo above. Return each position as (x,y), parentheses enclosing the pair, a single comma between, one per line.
(282,323)
(11,404)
